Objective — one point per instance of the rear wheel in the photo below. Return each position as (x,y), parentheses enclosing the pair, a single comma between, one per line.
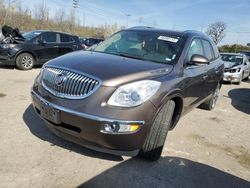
(25,61)
(210,104)
(154,143)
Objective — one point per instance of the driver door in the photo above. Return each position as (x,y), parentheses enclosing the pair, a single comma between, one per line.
(195,77)
(46,46)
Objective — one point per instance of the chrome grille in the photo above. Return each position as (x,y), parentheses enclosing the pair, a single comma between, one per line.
(68,84)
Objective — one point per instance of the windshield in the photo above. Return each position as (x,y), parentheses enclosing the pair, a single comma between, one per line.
(30,35)
(232,58)
(152,46)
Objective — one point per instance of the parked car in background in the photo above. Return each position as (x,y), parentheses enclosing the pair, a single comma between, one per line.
(87,42)
(127,93)
(36,47)
(247,53)
(237,67)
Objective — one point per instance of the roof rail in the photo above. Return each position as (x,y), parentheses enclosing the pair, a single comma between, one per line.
(140,27)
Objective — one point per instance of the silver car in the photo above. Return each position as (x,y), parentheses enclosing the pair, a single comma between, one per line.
(237,67)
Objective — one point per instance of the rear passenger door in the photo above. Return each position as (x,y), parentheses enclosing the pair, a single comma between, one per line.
(67,44)
(213,71)
(48,48)
(195,76)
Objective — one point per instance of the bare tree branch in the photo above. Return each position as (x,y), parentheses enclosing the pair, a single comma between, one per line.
(217,31)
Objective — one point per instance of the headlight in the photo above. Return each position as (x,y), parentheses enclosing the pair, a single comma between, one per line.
(134,94)
(8,46)
(235,70)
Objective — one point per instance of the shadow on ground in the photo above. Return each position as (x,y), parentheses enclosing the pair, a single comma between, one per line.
(240,99)
(7,67)
(38,128)
(167,172)
(14,67)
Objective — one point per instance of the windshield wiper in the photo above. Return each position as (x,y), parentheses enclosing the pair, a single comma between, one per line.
(128,55)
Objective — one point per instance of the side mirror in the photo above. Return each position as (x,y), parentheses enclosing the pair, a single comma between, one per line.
(199,59)
(41,42)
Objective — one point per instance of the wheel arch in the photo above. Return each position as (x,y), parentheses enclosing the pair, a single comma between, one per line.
(26,51)
(177,96)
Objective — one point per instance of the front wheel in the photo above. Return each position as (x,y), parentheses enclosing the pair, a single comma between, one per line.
(25,61)
(245,79)
(152,148)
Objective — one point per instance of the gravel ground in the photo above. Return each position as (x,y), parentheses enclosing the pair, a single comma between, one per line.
(206,149)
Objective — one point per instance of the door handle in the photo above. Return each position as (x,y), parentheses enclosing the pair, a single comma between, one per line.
(205,77)
(56,46)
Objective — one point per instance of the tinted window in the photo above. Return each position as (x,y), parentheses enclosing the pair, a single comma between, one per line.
(195,48)
(65,38)
(208,50)
(49,37)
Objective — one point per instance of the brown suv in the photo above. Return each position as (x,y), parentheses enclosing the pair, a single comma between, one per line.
(124,95)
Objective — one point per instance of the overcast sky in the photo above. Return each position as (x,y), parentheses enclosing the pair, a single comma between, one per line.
(168,14)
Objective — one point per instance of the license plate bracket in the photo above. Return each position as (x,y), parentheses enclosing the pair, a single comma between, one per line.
(50,113)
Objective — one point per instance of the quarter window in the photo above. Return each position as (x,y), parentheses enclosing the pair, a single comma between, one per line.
(65,38)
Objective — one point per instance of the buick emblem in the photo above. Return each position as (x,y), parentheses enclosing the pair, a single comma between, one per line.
(60,78)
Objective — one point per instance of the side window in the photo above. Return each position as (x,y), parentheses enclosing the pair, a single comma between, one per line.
(49,37)
(208,50)
(216,51)
(65,38)
(195,48)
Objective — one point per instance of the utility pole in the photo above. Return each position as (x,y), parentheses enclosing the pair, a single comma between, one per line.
(75,4)
(83,19)
(127,16)
(237,35)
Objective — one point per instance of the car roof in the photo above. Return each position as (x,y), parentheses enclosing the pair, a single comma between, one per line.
(188,33)
(43,31)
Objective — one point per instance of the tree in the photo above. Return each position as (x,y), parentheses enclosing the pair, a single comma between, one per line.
(217,31)
(42,13)
(60,16)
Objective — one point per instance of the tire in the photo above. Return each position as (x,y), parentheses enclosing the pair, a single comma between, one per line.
(153,145)
(238,83)
(210,104)
(25,61)
(245,79)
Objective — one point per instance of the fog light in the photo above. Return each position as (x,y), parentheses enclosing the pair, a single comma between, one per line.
(111,127)
(119,128)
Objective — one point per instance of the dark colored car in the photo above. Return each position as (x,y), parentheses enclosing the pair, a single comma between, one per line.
(87,42)
(126,94)
(36,48)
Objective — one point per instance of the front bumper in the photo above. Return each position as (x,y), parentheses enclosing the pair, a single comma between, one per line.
(6,59)
(232,77)
(85,129)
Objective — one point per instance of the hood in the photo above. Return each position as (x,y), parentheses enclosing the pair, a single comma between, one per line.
(111,69)
(11,36)
(229,64)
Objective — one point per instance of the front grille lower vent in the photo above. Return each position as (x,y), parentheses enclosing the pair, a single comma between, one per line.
(68,84)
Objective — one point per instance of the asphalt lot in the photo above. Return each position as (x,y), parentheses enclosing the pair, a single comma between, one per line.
(206,149)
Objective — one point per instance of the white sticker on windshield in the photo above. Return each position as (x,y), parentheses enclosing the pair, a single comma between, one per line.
(169,39)
(37,33)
